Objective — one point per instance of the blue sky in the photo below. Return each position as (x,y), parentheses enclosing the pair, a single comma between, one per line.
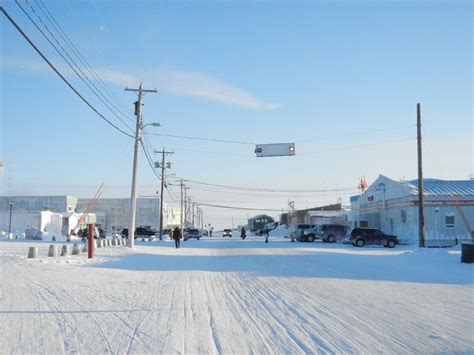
(260,72)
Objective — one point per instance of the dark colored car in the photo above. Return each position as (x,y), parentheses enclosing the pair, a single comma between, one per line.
(330,233)
(371,236)
(140,232)
(194,233)
(227,233)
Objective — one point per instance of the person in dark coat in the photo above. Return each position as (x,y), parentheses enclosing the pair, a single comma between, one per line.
(243,233)
(177,237)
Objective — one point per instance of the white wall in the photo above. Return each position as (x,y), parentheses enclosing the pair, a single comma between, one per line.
(45,221)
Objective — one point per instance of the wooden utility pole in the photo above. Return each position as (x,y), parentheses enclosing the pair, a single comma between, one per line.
(138,132)
(163,167)
(186,205)
(181,204)
(421,214)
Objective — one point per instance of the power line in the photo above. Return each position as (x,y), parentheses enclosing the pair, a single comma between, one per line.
(260,189)
(59,74)
(238,208)
(357,133)
(44,9)
(273,195)
(200,138)
(84,78)
(358,146)
(170,194)
(297,141)
(148,158)
(214,153)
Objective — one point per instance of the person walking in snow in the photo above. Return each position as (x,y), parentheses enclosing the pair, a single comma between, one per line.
(177,237)
(267,234)
(243,233)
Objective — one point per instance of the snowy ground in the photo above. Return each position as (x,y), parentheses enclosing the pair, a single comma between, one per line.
(236,297)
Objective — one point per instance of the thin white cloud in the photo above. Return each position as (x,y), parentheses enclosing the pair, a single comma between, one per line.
(176,82)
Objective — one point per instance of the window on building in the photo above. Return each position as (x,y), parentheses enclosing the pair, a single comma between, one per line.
(449,221)
(403,216)
(364,224)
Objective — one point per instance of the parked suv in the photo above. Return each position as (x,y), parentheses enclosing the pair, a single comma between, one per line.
(227,233)
(194,233)
(140,232)
(330,233)
(371,236)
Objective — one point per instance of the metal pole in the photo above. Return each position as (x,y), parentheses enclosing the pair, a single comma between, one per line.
(10,221)
(421,216)
(90,241)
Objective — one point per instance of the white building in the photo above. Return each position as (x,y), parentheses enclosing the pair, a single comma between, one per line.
(392,206)
(58,204)
(171,217)
(112,214)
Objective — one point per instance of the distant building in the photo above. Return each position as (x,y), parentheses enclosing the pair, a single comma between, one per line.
(39,203)
(112,214)
(258,222)
(171,217)
(392,206)
(315,215)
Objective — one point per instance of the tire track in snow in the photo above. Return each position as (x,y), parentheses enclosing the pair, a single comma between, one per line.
(303,320)
(256,293)
(51,301)
(170,308)
(147,313)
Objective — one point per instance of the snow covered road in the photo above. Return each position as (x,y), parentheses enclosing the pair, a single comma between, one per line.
(236,297)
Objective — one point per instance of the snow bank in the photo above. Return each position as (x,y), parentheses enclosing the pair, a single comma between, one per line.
(281,231)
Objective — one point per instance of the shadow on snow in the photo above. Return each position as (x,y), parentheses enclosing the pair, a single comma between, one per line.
(418,267)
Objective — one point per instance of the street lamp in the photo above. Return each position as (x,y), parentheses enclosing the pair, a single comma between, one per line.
(10,222)
(154,124)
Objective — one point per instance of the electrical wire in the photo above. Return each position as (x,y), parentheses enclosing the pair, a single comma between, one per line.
(44,9)
(260,189)
(273,195)
(84,78)
(237,208)
(200,138)
(356,133)
(148,158)
(30,42)
(358,146)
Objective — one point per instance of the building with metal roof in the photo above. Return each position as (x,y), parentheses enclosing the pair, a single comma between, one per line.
(392,206)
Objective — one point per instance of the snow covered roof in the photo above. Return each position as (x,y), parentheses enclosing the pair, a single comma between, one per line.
(438,188)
